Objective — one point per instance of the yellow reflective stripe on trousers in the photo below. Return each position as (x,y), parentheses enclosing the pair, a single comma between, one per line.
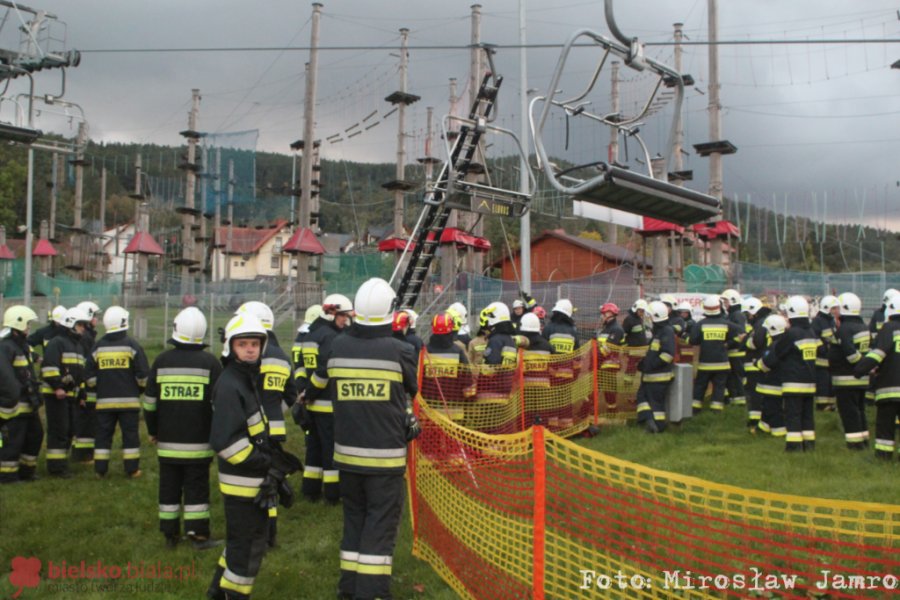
(385,458)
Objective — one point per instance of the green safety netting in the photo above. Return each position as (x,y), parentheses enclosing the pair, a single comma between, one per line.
(57,286)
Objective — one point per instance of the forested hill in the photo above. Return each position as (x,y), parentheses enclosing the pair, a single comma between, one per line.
(354,201)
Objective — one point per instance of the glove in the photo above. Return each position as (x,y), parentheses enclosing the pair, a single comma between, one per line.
(284,462)
(301,416)
(413,429)
(267,496)
(530,302)
(67,381)
(285,494)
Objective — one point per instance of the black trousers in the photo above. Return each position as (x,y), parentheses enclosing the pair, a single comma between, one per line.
(128,421)
(60,430)
(702,381)
(246,528)
(373,505)
(20,447)
(799,419)
(735,382)
(85,428)
(320,477)
(184,482)
(825,392)
(886,414)
(851,405)
(754,399)
(772,420)
(651,402)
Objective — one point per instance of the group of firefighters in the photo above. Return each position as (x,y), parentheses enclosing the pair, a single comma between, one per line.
(348,382)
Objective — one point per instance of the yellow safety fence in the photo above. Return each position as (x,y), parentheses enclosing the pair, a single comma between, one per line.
(533,515)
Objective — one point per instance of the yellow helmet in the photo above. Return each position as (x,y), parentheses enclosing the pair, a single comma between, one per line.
(17,317)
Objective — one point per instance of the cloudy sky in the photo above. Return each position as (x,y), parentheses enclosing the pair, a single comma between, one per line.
(810,120)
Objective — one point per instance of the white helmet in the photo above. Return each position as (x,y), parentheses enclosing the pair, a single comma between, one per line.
(775,325)
(712,305)
(115,319)
(18,317)
(190,326)
(732,296)
(312,313)
(893,307)
(74,315)
(58,314)
(530,323)
(796,307)
(752,305)
(640,304)
(827,303)
(659,312)
(459,309)
(564,306)
(334,304)
(668,299)
(496,312)
(259,310)
(374,301)
(413,317)
(684,306)
(850,304)
(90,308)
(244,326)
(888,294)
(518,303)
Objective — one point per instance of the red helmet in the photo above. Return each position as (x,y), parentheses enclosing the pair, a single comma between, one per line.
(401,320)
(540,312)
(610,308)
(442,323)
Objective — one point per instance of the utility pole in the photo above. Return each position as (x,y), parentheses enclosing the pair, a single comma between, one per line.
(401,135)
(217,223)
(79,257)
(308,156)
(54,193)
(476,71)
(715,116)
(612,233)
(99,262)
(187,219)
(525,223)
(449,253)
(678,159)
(230,233)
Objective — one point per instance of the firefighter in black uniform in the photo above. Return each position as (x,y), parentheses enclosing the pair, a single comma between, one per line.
(768,382)
(714,334)
(885,356)
(54,326)
(320,477)
(875,324)
(117,373)
(85,421)
(371,376)
(610,330)
(501,347)
(62,376)
(310,317)
(675,319)
(636,338)
(461,331)
(21,433)
(736,354)
(851,344)
(178,413)
(824,326)
(685,350)
(411,336)
(400,329)
(754,346)
(656,371)
(278,388)
(794,357)
(250,471)
(561,331)
(610,363)
(445,373)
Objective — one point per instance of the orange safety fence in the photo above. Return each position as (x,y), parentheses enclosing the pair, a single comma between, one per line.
(533,515)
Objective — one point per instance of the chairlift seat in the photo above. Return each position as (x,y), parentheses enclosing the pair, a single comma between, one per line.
(633,192)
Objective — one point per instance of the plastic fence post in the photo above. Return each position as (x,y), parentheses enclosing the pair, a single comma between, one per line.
(540,481)
(165,318)
(520,383)
(595,377)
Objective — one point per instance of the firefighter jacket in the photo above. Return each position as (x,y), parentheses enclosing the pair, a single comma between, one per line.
(117,372)
(178,402)
(501,347)
(851,343)
(794,356)
(446,375)
(656,366)
(297,352)
(611,333)
(416,342)
(239,432)
(18,386)
(536,360)
(715,335)
(477,345)
(463,335)
(884,354)
(561,333)
(736,316)
(315,346)
(823,326)
(41,337)
(755,343)
(278,388)
(635,331)
(877,321)
(64,365)
(369,374)
(677,324)
(769,382)
(88,338)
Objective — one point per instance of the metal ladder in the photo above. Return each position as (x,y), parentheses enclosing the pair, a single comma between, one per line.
(426,237)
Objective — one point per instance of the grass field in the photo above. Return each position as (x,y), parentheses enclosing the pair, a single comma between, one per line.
(115,520)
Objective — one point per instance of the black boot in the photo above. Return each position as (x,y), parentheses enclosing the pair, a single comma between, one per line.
(809,445)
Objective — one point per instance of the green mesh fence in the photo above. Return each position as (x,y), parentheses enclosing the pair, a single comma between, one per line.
(344,273)
(59,285)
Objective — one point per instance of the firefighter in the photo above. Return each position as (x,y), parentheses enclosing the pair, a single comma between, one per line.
(824,326)
(561,331)
(178,413)
(445,374)
(518,310)
(656,371)
(675,320)
(21,432)
(536,372)
(610,330)
(54,326)
(277,387)
(768,383)
(610,334)
(851,343)
(400,328)
(85,422)
(460,315)
(884,356)
(62,376)
(736,354)
(715,335)
(636,339)
(411,336)
(320,477)
(478,344)
(685,350)
(371,375)
(310,319)
(875,324)
(754,345)
(794,357)
(250,470)
(117,375)
(501,347)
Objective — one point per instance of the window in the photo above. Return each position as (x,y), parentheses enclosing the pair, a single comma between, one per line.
(276,260)
(277,249)
(237,263)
